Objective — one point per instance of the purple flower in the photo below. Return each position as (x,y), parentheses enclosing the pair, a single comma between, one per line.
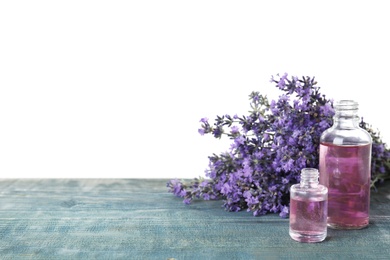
(251,201)
(284,212)
(175,187)
(187,201)
(266,137)
(226,189)
(182,193)
(206,196)
(239,140)
(323,125)
(327,109)
(234,130)
(204,183)
(217,132)
(204,120)
(282,81)
(284,98)
(288,165)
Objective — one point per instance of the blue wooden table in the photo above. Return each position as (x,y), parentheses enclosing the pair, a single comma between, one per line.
(138,219)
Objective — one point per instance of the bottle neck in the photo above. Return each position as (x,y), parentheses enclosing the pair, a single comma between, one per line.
(309,178)
(346,116)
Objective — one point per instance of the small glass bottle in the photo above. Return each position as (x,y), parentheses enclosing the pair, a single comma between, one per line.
(345,168)
(308,208)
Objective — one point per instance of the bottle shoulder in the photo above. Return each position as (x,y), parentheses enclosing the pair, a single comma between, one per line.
(317,189)
(353,136)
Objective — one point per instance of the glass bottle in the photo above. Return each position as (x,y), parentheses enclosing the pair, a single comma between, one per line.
(308,208)
(345,168)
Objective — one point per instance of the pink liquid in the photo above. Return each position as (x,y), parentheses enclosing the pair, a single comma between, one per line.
(308,219)
(345,170)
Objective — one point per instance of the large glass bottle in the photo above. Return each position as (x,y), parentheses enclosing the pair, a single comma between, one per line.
(308,208)
(345,168)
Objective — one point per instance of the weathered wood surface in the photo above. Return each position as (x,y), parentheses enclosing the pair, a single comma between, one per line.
(138,219)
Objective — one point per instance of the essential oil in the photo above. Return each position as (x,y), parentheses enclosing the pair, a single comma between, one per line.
(345,168)
(348,182)
(308,208)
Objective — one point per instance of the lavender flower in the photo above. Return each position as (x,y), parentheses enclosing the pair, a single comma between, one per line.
(380,157)
(269,148)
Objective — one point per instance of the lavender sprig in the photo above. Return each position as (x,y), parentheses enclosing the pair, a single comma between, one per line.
(269,148)
(380,157)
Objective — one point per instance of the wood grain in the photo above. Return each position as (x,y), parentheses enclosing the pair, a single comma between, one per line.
(139,219)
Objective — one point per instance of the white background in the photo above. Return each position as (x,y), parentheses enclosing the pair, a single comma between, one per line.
(108,89)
